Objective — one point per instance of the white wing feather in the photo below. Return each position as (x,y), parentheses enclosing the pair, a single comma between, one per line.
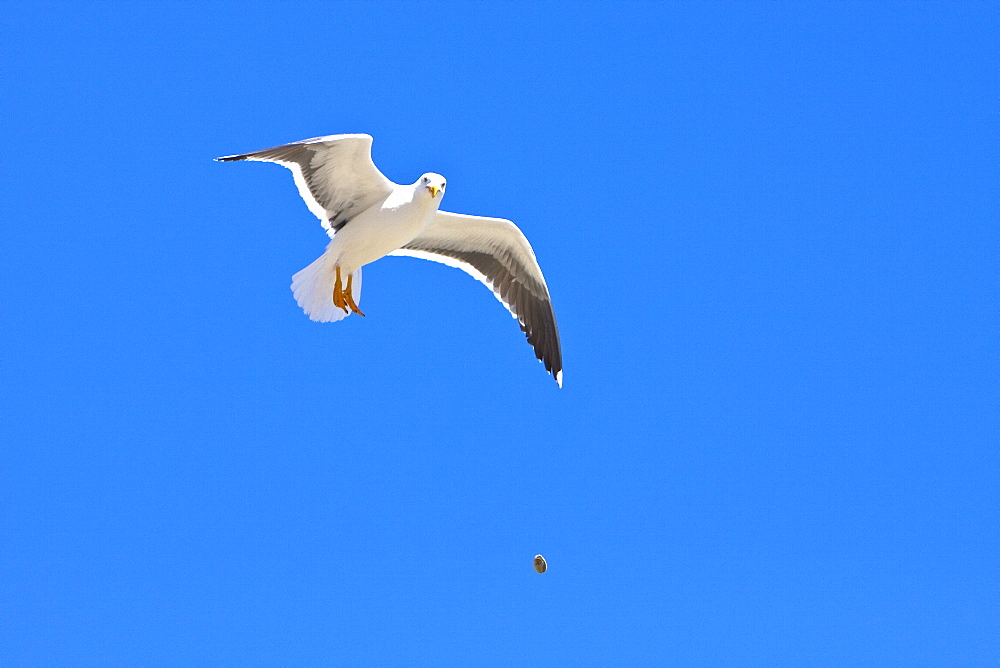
(335,175)
(496,253)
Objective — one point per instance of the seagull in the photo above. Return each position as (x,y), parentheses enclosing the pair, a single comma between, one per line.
(367,216)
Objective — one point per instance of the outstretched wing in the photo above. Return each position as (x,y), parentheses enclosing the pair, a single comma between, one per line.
(495,252)
(335,175)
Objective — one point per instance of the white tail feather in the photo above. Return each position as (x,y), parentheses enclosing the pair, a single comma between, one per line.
(313,289)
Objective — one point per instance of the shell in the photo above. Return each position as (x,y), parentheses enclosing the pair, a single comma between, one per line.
(540,565)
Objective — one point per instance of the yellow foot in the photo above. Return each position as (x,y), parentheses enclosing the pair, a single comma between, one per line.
(338,292)
(350,298)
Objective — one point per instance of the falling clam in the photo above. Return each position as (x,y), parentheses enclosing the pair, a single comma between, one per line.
(540,565)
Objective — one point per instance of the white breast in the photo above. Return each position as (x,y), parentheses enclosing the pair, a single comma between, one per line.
(382,229)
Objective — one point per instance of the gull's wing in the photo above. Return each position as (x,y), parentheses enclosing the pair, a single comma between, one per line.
(495,252)
(335,175)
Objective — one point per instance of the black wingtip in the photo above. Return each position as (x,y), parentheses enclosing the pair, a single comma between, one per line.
(230,158)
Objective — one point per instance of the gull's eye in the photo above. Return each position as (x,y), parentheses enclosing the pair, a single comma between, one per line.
(426,179)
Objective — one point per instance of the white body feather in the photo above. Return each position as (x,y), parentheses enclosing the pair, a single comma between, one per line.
(373,234)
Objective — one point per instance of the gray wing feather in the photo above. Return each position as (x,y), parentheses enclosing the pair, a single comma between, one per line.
(335,175)
(495,252)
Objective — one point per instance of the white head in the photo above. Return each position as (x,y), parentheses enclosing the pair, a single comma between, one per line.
(432,183)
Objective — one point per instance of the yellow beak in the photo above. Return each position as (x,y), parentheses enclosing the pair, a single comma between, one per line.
(434,191)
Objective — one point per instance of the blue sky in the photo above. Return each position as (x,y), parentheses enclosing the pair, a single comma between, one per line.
(770,231)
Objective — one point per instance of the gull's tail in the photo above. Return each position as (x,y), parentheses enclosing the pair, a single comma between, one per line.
(313,289)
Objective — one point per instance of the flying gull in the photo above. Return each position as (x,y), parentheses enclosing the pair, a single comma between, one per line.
(367,216)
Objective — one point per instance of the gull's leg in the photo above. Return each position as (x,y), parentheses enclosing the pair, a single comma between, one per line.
(338,292)
(350,298)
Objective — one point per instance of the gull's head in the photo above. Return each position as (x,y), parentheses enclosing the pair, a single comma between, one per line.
(432,183)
